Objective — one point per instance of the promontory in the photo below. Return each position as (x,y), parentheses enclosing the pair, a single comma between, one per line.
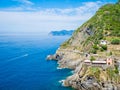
(93,52)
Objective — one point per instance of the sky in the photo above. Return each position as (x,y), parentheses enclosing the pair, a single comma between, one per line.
(18,16)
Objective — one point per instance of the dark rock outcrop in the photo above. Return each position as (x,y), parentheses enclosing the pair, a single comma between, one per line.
(54,57)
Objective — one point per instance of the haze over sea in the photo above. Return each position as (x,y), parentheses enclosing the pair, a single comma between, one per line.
(23,64)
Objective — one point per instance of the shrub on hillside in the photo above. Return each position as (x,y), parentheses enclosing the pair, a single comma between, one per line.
(93,51)
(95,47)
(115,41)
(101,49)
(104,47)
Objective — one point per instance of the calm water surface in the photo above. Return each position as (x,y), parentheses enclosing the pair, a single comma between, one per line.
(23,65)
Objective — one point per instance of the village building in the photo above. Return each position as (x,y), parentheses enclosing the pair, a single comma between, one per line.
(95,63)
(103,42)
(107,62)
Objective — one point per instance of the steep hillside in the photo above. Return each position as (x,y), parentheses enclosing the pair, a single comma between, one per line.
(91,45)
(93,52)
(104,25)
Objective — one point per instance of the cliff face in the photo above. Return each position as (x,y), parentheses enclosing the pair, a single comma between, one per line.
(105,23)
(100,38)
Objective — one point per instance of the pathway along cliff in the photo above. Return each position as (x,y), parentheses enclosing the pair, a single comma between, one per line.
(93,52)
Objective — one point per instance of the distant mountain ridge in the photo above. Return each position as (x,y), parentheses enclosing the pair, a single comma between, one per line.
(62,33)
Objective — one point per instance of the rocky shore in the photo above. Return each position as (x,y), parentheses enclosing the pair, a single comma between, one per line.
(82,78)
(93,52)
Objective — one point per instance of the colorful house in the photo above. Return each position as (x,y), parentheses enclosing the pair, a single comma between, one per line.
(109,61)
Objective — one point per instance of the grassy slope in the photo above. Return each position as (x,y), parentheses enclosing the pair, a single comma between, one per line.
(105,24)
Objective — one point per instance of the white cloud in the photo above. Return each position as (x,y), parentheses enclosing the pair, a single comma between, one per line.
(25,2)
(16,19)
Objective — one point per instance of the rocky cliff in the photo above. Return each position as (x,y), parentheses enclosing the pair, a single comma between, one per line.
(96,39)
(103,25)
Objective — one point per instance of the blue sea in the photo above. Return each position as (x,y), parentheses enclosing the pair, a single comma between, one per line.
(23,64)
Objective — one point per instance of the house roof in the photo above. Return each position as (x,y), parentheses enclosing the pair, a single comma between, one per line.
(96,61)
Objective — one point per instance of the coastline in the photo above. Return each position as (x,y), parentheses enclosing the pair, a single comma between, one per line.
(93,52)
(78,79)
(66,63)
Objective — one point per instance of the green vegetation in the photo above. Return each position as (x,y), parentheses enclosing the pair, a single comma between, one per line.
(110,73)
(104,25)
(93,51)
(110,53)
(104,47)
(101,49)
(115,41)
(106,22)
(113,74)
(92,58)
(95,71)
(95,47)
(65,44)
(116,70)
